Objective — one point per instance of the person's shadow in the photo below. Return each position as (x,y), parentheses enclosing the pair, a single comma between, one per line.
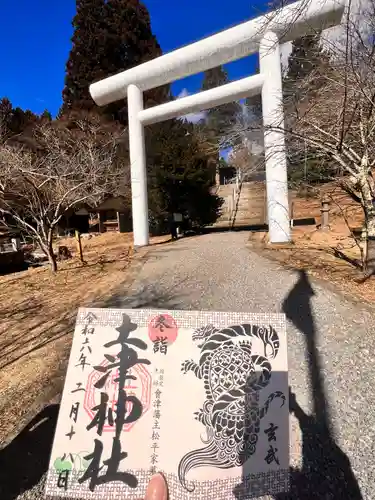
(326,471)
(25,459)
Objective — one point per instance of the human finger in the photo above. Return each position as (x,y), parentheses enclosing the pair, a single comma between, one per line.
(157,488)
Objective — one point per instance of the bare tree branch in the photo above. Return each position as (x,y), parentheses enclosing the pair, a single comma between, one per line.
(65,168)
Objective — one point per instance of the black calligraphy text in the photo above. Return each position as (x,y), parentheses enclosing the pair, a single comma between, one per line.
(126,358)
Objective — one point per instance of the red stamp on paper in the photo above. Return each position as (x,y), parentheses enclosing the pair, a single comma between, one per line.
(162,331)
(138,384)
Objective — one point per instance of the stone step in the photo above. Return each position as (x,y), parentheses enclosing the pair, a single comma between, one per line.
(249,214)
(249,209)
(243,222)
(249,222)
(252,199)
(225,221)
(221,223)
(251,205)
(252,208)
(226,191)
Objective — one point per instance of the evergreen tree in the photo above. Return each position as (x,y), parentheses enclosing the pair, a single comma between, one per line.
(87,61)
(15,121)
(301,81)
(6,110)
(252,117)
(221,118)
(252,121)
(307,60)
(253,108)
(46,115)
(109,37)
(131,42)
(180,175)
(305,56)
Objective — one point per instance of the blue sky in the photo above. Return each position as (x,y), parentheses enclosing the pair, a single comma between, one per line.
(35,42)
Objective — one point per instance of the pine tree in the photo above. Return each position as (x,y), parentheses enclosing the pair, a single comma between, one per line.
(6,110)
(15,121)
(109,37)
(252,117)
(221,118)
(86,62)
(306,55)
(180,176)
(252,121)
(46,115)
(253,106)
(304,63)
(131,42)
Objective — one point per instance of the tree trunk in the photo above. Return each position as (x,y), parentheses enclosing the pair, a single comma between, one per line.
(370,243)
(51,256)
(369,210)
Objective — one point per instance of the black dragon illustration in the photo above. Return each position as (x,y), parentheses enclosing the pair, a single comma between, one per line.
(230,413)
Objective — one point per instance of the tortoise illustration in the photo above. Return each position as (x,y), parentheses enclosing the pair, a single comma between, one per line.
(231,412)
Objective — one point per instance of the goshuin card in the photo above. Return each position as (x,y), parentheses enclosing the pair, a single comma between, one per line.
(200,396)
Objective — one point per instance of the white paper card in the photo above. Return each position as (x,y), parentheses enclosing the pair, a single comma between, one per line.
(200,396)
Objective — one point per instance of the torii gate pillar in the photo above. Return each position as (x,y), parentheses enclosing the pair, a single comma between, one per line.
(274,140)
(138,172)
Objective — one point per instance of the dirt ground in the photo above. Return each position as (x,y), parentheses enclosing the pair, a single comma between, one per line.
(331,255)
(37,311)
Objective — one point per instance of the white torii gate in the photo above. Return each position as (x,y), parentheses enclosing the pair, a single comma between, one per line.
(264,33)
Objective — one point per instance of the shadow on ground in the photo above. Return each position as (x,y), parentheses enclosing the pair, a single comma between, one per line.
(309,221)
(31,340)
(223,229)
(14,268)
(25,459)
(326,471)
(149,296)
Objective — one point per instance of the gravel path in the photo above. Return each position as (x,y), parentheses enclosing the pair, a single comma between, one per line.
(330,347)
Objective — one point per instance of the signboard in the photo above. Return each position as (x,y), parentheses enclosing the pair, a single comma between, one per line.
(177,217)
(199,396)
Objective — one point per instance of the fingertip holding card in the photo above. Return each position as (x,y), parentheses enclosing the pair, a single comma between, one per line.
(157,488)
